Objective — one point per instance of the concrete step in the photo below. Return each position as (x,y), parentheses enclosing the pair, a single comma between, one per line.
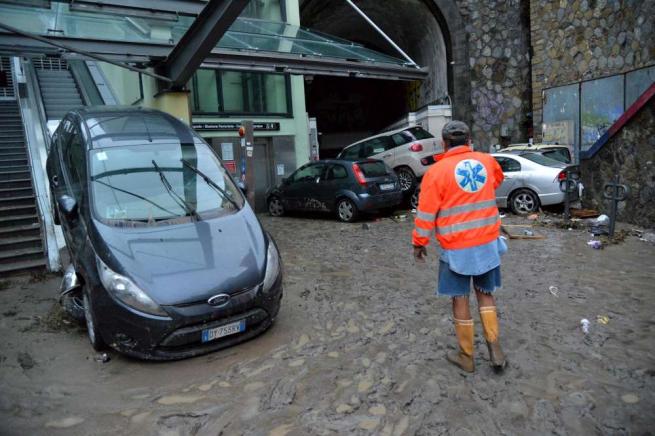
(15,192)
(21,230)
(14,175)
(20,154)
(16,201)
(21,254)
(18,220)
(16,184)
(13,150)
(12,162)
(23,209)
(20,242)
(23,266)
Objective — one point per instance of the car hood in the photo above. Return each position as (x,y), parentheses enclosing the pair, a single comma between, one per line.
(185,263)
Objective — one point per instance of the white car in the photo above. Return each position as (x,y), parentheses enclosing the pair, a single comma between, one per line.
(405,150)
(531,180)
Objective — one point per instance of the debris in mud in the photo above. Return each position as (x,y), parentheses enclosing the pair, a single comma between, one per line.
(584,323)
(584,213)
(25,361)
(38,277)
(10,313)
(648,237)
(4,284)
(365,226)
(533,217)
(102,358)
(598,245)
(58,319)
(630,398)
(554,290)
(603,319)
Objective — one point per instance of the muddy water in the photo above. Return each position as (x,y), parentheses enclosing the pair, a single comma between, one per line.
(358,348)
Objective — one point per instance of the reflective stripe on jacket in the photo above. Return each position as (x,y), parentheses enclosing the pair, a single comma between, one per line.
(457,202)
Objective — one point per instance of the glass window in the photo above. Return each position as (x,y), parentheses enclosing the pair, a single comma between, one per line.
(239,92)
(337,172)
(76,164)
(264,9)
(373,169)
(376,146)
(636,83)
(419,133)
(350,153)
(542,160)
(126,185)
(308,173)
(401,138)
(508,165)
(560,154)
(561,115)
(602,104)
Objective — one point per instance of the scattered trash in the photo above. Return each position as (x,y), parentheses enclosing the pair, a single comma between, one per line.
(598,245)
(600,226)
(554,290)
(521,232)
(103,358)
(502,215)
(528,232)
(414,212)
(399,218)
(533,217)
(636,232)
(365,226)
(584,322)
(630,398)
(603,220)
(648,237)
(603,319)
(570,228)
(584,213)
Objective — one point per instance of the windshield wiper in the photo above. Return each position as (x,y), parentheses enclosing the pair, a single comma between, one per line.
(211,183)
(179,200)
(140,197)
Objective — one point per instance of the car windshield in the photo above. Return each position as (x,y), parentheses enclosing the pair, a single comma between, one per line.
(542,160)
(151,183)
(373,169)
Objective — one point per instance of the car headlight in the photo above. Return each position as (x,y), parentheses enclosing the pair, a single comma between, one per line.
(272,266)
(126,291)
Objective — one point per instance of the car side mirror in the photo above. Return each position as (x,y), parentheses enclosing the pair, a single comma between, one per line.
(243,187)
(68,206)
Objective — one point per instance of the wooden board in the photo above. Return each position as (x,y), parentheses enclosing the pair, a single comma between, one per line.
(518,232)
(584,213)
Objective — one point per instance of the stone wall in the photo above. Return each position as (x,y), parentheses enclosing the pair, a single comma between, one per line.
(630,153)
(574,40)
(499,62)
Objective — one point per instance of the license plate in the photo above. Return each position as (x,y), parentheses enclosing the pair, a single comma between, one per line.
(386,186)
(224,330)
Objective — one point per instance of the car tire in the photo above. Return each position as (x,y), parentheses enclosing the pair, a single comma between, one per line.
(406,178)
(73,305)
(92,327)
(275,206)
(413,201)
(346,210)
(524,202)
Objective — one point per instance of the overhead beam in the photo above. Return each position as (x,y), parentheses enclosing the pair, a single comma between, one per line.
(199,40)
(175,7)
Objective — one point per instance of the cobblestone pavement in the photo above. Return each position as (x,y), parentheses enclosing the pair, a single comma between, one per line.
(359,348)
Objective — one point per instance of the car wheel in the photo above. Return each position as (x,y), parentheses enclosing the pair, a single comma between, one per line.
(275,206)
(346,210)
(413,201)
(91,327)
(524,201)
(73,305)
(406,178)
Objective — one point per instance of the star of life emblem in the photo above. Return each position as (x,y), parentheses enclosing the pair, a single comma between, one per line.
(470,175)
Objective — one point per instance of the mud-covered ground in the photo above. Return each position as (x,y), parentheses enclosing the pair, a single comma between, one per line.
(359,348)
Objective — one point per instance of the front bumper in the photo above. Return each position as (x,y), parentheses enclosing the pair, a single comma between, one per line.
(367,202)
(153,338)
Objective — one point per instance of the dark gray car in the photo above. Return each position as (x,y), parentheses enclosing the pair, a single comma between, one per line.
(343,187)
(169,259)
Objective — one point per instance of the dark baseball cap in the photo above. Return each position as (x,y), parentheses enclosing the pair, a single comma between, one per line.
(453,130)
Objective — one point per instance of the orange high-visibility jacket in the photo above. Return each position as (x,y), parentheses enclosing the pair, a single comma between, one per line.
(458,200)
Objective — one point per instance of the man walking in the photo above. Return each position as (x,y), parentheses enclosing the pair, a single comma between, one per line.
(458,203)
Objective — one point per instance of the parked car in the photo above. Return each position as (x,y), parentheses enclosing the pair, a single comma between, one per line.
(401,149)
(531,180)
(558,152)
(343,187)
(169,260)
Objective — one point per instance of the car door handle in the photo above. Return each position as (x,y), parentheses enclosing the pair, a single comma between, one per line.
(55,180)
(386,155)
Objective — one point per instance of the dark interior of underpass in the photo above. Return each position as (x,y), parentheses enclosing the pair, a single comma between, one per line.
(348,109)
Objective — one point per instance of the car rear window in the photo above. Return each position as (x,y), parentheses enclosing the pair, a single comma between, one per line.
(560,154)
(373,169)
(542,160)
(419,133)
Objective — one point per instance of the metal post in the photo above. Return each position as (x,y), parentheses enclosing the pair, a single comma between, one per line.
(248,158)
(615,192)
(381,32)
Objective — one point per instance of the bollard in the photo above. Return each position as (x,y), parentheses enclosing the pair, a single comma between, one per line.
(615,192)
(568,186)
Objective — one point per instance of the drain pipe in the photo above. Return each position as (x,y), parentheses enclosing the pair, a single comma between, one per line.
(381,32)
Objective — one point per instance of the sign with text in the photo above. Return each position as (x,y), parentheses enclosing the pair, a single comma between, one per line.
(226,127)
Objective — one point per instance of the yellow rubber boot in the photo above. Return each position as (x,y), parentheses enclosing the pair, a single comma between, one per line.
(489,320)
(464,357)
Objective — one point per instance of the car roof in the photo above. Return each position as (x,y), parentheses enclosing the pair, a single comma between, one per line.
(528,146)
(344,161)
(129,125)
(385,133)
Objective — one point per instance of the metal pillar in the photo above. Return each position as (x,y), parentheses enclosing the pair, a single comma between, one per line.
(248,160)
(615,192)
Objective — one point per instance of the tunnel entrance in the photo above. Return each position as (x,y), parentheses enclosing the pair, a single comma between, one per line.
(349,109)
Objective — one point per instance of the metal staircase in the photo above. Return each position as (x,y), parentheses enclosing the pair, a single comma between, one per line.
(59,91)
(21,244)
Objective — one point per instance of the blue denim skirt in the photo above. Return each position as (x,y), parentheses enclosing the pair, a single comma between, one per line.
(452,284)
